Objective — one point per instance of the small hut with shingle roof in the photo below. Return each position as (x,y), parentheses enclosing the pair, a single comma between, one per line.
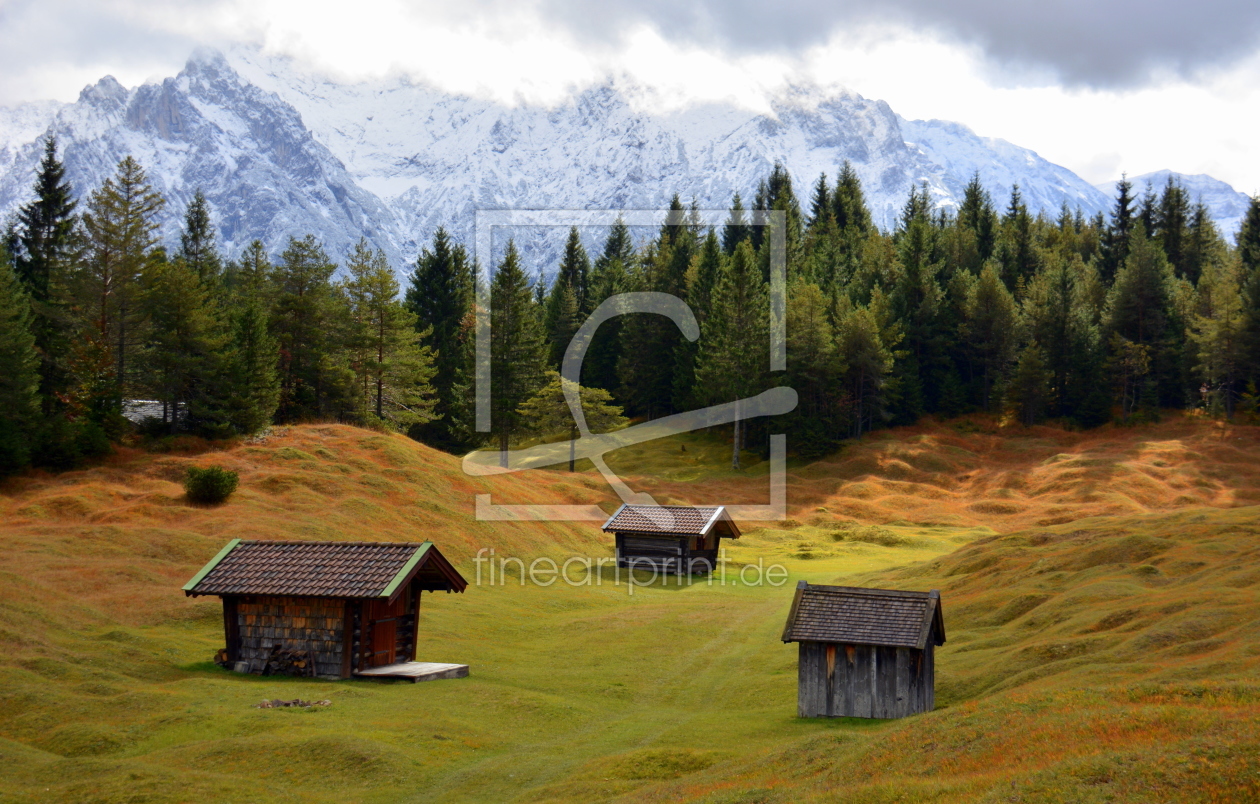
(351,608)
(864,652)
(673,539)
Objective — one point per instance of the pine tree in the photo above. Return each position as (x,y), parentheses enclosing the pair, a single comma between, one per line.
(1173,218)
(547,412)
(1140,311)
(46,251)
(1249,237)
(732,359)
(1016,247)
(516,349)
(395,369)
(197,242)
(19,371)
(1058,314)
(121,230)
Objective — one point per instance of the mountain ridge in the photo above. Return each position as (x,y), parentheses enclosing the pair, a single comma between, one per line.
(281,152)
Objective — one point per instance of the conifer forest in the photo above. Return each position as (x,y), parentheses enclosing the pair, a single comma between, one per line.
(1081,320)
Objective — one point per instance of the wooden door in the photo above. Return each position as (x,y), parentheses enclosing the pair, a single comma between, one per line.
(383,618)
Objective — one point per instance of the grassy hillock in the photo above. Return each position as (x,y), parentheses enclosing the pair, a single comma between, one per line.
(1112,657)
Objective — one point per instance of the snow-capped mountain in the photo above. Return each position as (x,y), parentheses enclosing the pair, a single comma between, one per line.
(279,152)
(1227,206)
(262,172)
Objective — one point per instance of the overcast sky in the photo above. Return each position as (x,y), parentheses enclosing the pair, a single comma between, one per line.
(1098,87)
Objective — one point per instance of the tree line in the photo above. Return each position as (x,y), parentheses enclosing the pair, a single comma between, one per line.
(976,309)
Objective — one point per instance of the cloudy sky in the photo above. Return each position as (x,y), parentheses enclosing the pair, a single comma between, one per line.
(1101,87)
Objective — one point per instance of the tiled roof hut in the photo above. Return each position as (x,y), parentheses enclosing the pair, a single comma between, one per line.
(864,652)
(353,606)
(673,539)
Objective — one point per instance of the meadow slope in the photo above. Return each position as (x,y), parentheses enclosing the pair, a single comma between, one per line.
(1100,593)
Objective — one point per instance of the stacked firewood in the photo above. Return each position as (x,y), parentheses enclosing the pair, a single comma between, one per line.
(285,662)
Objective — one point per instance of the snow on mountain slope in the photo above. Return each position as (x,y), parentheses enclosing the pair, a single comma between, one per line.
(1044,186)
(249,152)
(280,152)
(1227,206)
(436,158)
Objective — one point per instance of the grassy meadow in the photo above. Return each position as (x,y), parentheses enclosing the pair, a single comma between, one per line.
(1100,593)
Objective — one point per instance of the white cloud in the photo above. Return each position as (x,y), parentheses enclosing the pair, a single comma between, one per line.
(1192,125)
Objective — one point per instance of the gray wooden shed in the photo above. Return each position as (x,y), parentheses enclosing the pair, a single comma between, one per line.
(864,652)
(672,539)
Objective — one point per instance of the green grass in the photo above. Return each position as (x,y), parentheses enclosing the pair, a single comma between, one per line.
(1108,659)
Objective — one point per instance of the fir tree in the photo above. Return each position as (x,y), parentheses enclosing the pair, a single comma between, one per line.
(19,371)
(516,349)
(736,230)
(197,242)
(820,203)
(1029,387)
(1218,330)
(45,255)
(611,275)
(732,359)
(395,368)
(251,367)
(184,348)
(990,328)
(1115,244)
(868,360)
(813,370)
(315,379)
(568,300)
(440,294)
(849,202)
(978,215)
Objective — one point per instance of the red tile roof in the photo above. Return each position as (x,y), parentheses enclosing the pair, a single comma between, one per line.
(855,615)
(669,519)
(317,569)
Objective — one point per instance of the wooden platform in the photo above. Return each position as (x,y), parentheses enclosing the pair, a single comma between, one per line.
(416,671)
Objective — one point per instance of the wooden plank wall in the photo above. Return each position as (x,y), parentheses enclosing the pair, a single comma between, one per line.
(294,623)
(838,680)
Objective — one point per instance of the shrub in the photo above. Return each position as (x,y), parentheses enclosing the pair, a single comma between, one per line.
(213,484)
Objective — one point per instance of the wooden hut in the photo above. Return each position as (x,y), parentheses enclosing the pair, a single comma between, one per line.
(864,652)
(674,539)
(343,608)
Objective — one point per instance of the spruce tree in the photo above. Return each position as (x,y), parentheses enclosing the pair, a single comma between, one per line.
(251,366)
(517,353)
(611,276)
(978,215)
(315,379)
(1115,244)
(197,242)
(990,329)
(866,354)
(820,203)
(733,360)
(440,294)
(812,370)
(1218,332)
(19,371)
(395,367)
(184,349)
(1173,218)
(1249,237)
(46,250)
(848,202)
(568,301)
(1029,387)
(736,230)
